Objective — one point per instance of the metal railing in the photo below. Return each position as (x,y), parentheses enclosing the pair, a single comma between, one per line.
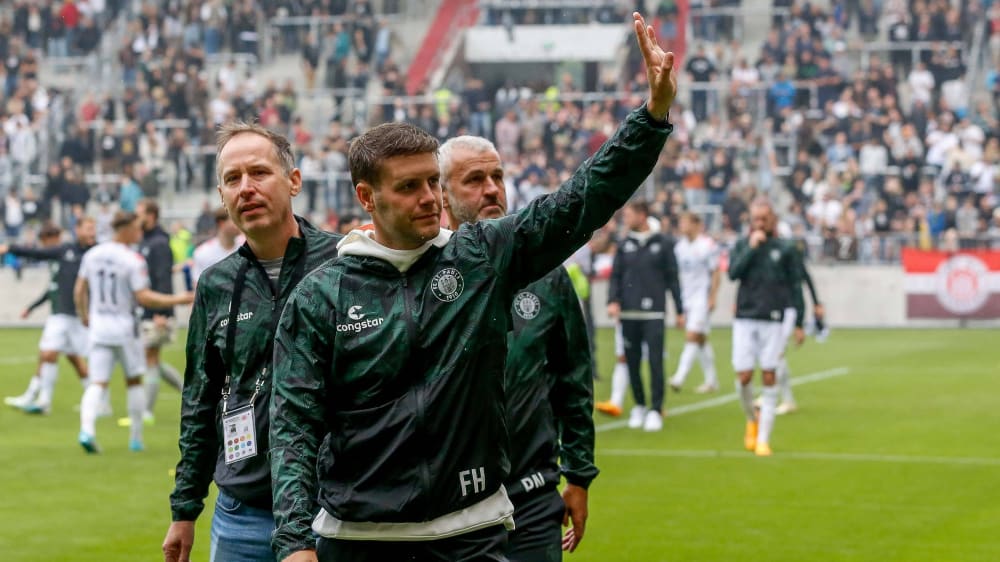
(915,48)
(534,4)
(701,19)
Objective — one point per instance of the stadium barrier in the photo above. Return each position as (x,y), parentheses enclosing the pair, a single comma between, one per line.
(863,296)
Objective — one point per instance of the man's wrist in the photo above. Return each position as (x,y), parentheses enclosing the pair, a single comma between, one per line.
(579,482)
(661,121)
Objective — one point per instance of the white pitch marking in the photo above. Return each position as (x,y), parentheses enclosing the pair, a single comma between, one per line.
(731,397)
(17,360)
(807,455)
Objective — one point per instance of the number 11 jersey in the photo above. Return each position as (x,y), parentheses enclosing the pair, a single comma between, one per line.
(114,272)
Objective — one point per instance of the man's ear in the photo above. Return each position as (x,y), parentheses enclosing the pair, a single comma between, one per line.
(366,195)
(296,178)
(445,204)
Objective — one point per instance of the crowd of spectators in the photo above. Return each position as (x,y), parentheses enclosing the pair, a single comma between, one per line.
(895,151)
(861,159)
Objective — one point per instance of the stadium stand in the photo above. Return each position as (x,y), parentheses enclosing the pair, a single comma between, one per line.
(874,130)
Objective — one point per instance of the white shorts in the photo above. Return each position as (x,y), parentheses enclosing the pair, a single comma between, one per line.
(696,317)
(788,323)
(65,334)
(102,358)
(157,336)
(620,344)
(757,342)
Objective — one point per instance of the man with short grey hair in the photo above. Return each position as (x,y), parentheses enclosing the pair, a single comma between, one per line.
(549,375)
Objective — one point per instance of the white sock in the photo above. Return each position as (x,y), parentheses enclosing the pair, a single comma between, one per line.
(171,376)
(48,373)
(707,357)
(152,382)
(85,382)
(34,385)
(619,384)
(684,365)
(785,381)
(768,403)
(745,392)
(89,405)
(136,401)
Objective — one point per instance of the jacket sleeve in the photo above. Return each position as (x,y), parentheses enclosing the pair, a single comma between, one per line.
(795,271)
(673,278)
(53,253)
(615,289)
(199,441)
(525,246)
(42,299)
(739,260)
(301,360)
(809,282)
(161,265)
(572,394)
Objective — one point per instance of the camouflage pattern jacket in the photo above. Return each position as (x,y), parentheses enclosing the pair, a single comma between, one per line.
(388,403)
(202,453)
(550,389)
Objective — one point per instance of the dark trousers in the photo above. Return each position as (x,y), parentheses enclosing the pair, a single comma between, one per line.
(485,545)
(537,536)
(650,332)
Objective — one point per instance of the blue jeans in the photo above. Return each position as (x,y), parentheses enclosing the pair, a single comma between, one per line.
(240,532)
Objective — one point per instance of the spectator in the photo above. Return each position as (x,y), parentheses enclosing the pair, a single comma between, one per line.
(691,169)
(840,152)
(13,215)
(719,177)
(129,193)
(702,71)
(310,60)
(967,222)
(921,82)
(153,148)
(508,136)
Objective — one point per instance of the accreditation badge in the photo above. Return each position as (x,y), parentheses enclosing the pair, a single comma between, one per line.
(239,434)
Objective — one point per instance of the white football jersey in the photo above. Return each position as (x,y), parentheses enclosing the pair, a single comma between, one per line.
(696,261)
(209,253)
(114,272)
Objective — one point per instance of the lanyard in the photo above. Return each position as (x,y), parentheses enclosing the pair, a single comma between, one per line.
(234,311)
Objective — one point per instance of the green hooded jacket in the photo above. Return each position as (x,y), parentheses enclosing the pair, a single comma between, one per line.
(202,451)
(550,389)
(388,405)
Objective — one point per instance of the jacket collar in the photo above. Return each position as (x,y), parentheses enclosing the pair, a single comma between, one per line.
(362,243)
(296,244)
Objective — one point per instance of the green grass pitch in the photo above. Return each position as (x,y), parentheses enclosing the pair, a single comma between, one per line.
(893,456)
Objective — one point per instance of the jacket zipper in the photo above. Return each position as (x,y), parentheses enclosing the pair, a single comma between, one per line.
(425,476)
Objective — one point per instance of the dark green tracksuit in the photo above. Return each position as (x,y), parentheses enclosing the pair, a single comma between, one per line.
(550,404)
(389,402)
(770,279)
(64,264)
(202,454)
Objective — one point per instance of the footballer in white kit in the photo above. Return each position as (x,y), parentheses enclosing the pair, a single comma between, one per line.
(111,284)
(227,240)
(698,264)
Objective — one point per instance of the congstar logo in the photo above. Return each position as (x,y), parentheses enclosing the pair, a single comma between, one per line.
(360,322)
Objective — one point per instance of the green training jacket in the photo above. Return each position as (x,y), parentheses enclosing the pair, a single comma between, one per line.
(550,389)
(388,400)
(770,277)
(202,450)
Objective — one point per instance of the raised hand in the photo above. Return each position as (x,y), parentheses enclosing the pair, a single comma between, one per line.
(659,69)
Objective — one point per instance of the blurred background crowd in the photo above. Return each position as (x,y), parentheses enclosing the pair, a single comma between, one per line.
(872,124)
